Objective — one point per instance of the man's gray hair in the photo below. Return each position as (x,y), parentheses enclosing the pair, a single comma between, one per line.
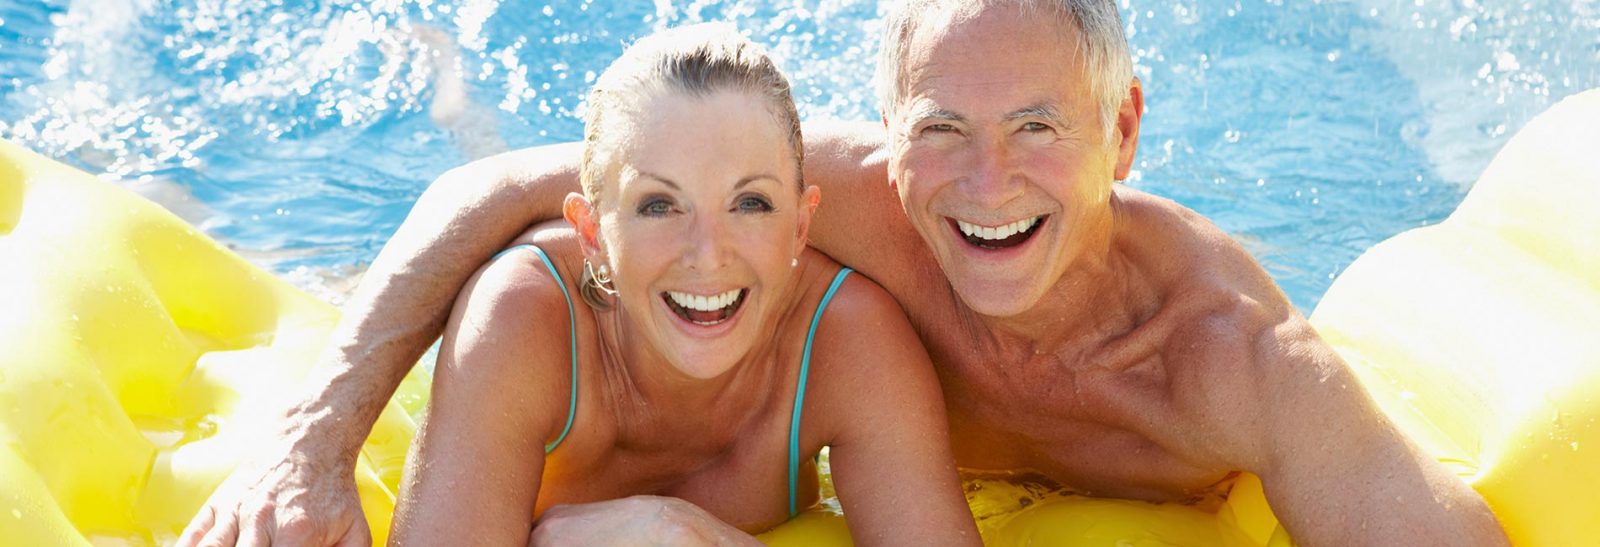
(1100,35)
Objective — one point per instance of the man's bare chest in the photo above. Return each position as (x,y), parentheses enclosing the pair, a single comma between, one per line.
(1027,414)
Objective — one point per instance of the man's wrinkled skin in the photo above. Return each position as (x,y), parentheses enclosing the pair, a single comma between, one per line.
(305,498)
(1128,348)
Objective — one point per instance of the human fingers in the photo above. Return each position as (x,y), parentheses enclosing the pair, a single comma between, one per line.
(224,532)
(358,535)
(255,528)
(198,526)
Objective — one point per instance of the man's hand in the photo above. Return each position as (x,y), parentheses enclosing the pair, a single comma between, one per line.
(638,520)
(293,494)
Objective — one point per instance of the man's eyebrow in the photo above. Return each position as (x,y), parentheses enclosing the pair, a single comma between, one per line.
(1041,110)
(661,179)
(926,111)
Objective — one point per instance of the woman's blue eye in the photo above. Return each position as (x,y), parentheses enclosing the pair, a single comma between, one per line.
(753,204)
(655,207)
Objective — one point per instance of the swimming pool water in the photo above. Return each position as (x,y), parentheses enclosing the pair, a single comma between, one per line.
(300,132)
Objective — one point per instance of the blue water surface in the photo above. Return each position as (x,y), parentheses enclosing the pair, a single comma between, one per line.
(301,132)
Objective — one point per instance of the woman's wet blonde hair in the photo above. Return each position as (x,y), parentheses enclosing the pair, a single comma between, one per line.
(697,60)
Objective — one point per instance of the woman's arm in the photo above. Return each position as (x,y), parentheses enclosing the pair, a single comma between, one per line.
(635,520)
(303,485)
(890,451)
(499,394)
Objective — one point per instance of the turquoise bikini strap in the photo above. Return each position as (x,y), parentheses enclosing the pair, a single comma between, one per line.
(572,326)
(800,392)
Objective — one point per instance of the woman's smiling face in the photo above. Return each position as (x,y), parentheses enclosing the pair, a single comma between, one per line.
(702,224)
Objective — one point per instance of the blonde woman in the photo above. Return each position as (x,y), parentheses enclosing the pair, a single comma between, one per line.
(666,365)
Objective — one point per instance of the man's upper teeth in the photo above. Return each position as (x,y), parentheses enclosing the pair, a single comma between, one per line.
(703,303)
(1000,232)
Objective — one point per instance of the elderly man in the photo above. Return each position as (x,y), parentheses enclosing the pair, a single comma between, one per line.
(1114,341)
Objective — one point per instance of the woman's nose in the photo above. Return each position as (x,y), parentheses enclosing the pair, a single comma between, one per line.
(706,243)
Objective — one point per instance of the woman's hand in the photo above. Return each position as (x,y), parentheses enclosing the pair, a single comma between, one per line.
(638,520)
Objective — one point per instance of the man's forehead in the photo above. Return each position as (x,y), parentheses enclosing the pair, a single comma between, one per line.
(1005,88)
(990,47)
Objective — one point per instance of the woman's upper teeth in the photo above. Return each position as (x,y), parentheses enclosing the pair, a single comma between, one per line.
(997,232)
(703,303)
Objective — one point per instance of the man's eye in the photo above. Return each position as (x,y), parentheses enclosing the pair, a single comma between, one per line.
(940,128)
(1035,126)
(754,204)
(655,207)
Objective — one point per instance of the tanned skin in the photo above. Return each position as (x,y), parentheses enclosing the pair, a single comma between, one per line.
(1128,348)
(669,407)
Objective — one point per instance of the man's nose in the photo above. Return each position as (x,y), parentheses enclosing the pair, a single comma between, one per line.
(993,180)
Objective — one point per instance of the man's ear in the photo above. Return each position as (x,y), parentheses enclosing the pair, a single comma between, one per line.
(1127,133)
(808,208)
(583,217)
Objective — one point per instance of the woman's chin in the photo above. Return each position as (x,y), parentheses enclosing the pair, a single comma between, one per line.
(705,363)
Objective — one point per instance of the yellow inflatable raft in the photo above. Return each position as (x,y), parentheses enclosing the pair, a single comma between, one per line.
(140,359)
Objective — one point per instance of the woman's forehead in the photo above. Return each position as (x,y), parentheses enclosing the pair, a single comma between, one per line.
(720,139)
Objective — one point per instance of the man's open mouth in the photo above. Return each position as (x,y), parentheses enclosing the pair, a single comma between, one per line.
(999,237)
(705,310)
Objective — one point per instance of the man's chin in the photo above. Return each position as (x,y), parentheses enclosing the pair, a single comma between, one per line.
(998,299)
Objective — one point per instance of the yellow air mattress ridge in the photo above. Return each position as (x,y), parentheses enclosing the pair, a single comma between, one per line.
(1481,335)
(142,360)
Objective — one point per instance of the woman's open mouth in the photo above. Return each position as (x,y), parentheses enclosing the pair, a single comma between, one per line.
(705,310)
(998,237)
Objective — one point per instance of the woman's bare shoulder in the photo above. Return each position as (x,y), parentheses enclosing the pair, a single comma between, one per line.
(863,342)
(512,323)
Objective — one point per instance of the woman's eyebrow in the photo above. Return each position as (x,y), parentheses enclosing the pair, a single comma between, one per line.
(660,179)
(753,178)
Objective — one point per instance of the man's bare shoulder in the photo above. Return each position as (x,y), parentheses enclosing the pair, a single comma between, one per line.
(860,222)
(1187,252)
(1214,293)
(849,162)
(863,342)
(846,144)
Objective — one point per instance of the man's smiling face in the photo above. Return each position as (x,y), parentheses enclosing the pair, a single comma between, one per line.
(1000,156)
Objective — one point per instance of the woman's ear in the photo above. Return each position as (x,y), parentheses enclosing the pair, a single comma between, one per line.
(809,199)
(583,217)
